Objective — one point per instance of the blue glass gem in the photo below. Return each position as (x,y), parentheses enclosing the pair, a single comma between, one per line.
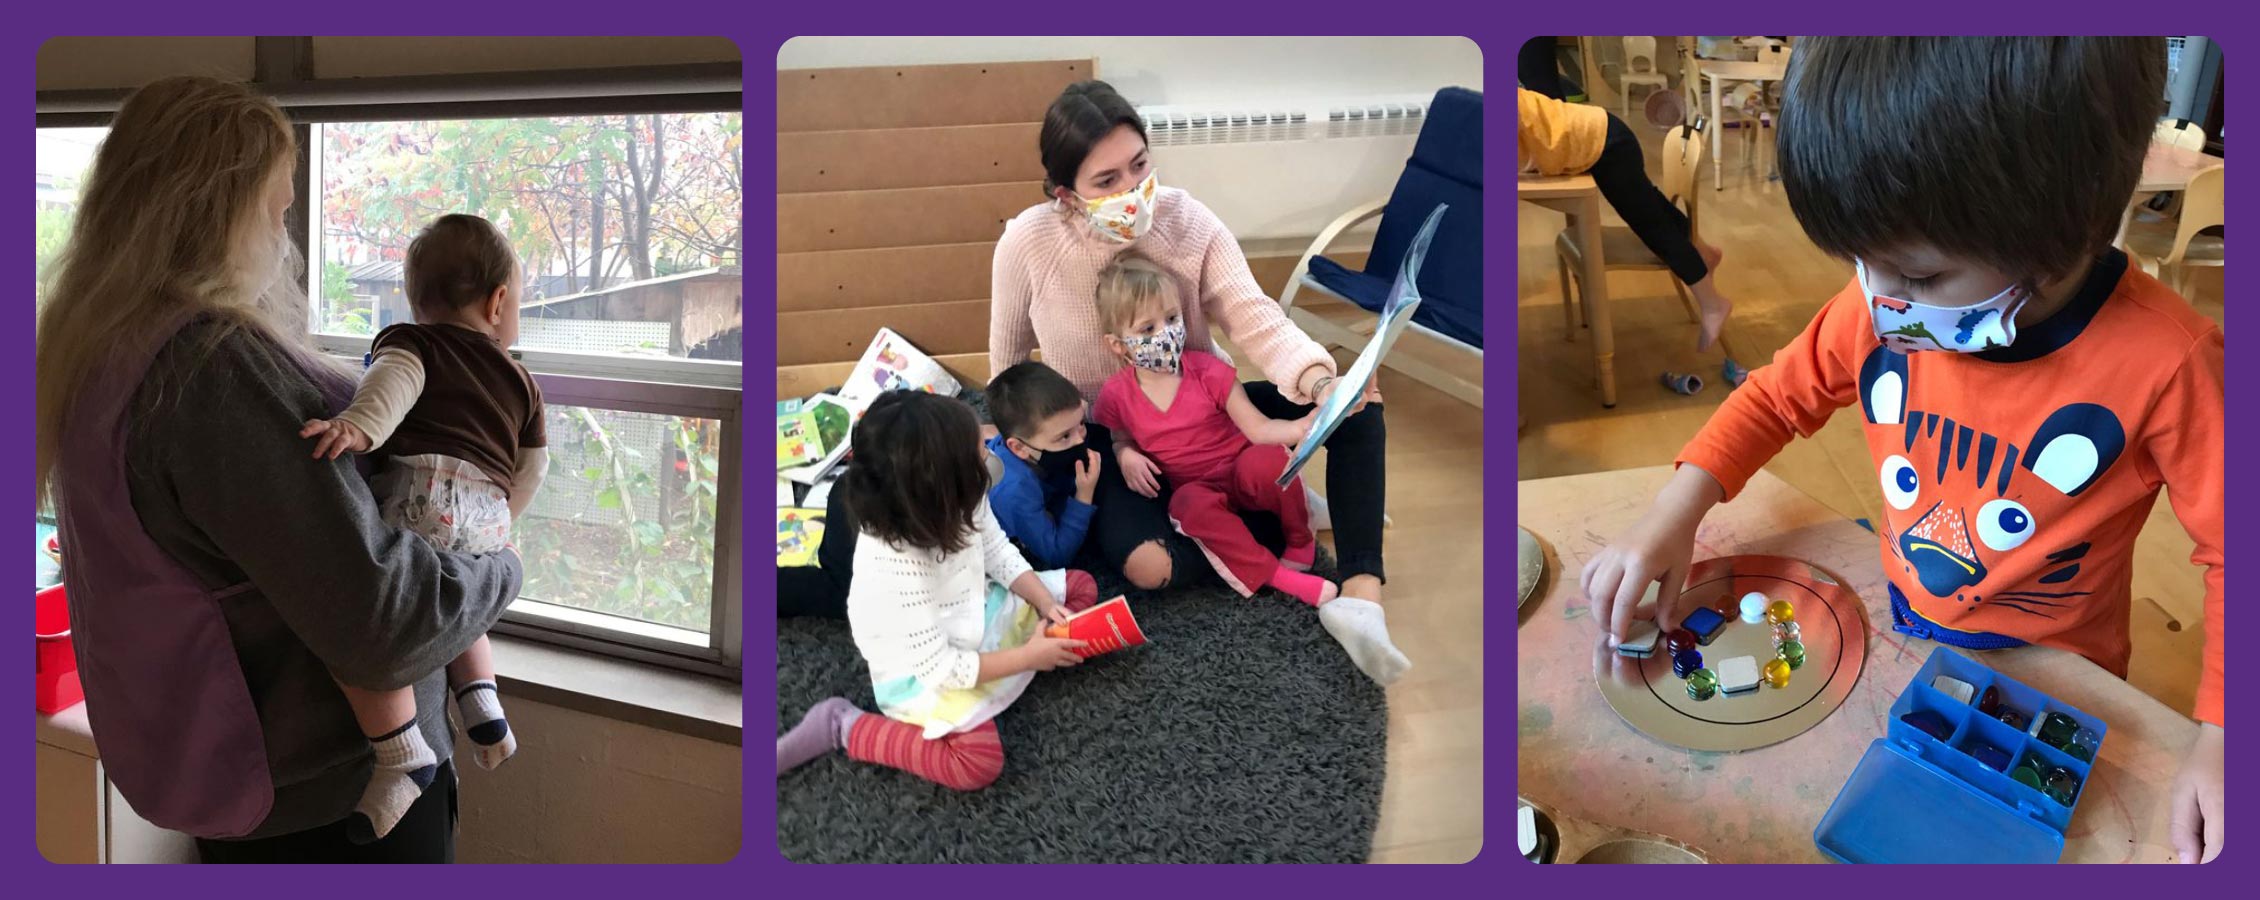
(1686,662)
(1929,723)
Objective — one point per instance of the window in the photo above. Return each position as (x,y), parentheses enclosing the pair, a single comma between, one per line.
(629,232)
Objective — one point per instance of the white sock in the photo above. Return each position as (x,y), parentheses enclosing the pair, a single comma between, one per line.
(1321,514)
(479,705)
(1358,625)
(405,766)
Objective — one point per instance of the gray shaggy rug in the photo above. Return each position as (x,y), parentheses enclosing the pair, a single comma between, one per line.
(1239,733)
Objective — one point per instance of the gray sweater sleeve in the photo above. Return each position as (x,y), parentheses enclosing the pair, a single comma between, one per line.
(377,605)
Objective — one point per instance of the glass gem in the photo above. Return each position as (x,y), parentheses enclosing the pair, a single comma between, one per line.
(1780,611)
(1777,673)
(1791,652)
(2062,786)
(1685,662)
(1929,723)
(1993,757)
(2083,745)
(1990,701)
(1787,631)
(1701,684)
(1680,639)
(2057,729)
(1753,607)
(2027,776)
(2011,718)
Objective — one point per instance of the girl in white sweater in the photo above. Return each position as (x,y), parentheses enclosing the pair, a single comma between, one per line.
(936,604)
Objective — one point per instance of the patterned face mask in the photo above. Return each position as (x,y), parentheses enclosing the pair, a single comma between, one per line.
(1126,216)
(1162,351)
(1905,325)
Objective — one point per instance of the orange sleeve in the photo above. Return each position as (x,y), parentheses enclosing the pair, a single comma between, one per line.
(1813,377)
(2186,442)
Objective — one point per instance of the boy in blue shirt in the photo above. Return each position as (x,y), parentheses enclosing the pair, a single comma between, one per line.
(1043,498)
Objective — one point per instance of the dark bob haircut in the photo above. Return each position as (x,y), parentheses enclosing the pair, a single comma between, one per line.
(918,478)
(1085,112)
(1022,397)
(2017,152)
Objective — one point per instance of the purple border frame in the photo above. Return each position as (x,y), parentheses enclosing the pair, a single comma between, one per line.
(760,32)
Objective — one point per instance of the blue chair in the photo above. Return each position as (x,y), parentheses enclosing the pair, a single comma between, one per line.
(1446,167)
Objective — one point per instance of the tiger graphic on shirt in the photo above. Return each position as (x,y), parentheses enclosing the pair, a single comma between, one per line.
(1962,502)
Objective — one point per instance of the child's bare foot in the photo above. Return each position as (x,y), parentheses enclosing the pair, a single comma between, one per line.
(1713,309)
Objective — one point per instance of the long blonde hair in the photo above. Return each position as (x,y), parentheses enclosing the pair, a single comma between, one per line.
(173,221)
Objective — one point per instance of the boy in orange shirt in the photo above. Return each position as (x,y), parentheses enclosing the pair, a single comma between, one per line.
(2026,394)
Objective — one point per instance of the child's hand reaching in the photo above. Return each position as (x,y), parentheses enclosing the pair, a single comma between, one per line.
(1660,545)
(1052,612)
(337,437)
(2198,822)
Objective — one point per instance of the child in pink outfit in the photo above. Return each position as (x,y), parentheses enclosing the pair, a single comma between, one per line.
(1182,416)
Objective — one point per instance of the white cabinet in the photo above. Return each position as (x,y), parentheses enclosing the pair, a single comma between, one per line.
(80,817)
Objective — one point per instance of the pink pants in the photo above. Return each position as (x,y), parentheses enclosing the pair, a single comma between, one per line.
(1208,511)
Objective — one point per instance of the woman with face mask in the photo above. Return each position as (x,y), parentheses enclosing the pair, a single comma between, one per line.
(1103,196)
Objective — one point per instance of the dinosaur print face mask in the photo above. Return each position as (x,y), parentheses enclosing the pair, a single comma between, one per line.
(1907,326)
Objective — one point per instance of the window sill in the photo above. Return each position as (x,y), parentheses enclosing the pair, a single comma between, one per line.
(691,705)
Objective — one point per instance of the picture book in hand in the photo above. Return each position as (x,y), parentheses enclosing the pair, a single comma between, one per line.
(1104,628)
(1404,299)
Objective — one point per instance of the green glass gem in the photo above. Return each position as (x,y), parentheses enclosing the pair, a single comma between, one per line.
(1701,684)
(2027,777)
(1791,652)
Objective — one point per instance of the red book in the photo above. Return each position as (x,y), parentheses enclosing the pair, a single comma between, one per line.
(1104,628)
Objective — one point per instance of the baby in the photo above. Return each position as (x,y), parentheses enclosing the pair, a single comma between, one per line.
(457,425)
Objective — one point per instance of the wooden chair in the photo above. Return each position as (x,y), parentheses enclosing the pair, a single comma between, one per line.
(1622,250)
(1639,68)
(2182,134)
(2168,256)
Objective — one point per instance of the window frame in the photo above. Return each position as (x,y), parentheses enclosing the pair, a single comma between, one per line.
(682,387)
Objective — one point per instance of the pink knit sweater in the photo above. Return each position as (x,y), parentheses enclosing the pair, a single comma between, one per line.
(1046,275)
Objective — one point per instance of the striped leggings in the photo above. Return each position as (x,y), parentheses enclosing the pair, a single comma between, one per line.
(966,761)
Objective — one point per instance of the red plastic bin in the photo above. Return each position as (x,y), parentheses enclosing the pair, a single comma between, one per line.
(58,686)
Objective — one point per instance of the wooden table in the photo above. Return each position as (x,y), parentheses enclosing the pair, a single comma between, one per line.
(1715,71)
(1762,806)
(2165,168)
(1579,198)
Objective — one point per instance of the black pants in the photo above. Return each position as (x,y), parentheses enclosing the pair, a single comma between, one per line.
(1622,175)
(1356,485)
(426,834)
(1538,67)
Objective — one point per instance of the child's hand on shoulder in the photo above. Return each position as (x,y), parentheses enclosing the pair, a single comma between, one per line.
(334,437)
(1087,476)
(2198,819)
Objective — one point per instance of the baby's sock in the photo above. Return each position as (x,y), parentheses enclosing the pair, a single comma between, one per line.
(824,729)
(1358,625)
(480,705)
(1303,586)
(405,766)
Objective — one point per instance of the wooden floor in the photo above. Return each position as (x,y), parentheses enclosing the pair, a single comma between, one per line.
(1778,281)
(1432,801)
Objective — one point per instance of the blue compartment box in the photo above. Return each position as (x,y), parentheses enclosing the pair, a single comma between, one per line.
(1917,798)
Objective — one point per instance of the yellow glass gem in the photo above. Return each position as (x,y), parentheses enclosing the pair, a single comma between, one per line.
(1780,611)
(1777,672)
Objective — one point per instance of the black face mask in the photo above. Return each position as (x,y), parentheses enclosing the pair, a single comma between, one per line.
(1058,465)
